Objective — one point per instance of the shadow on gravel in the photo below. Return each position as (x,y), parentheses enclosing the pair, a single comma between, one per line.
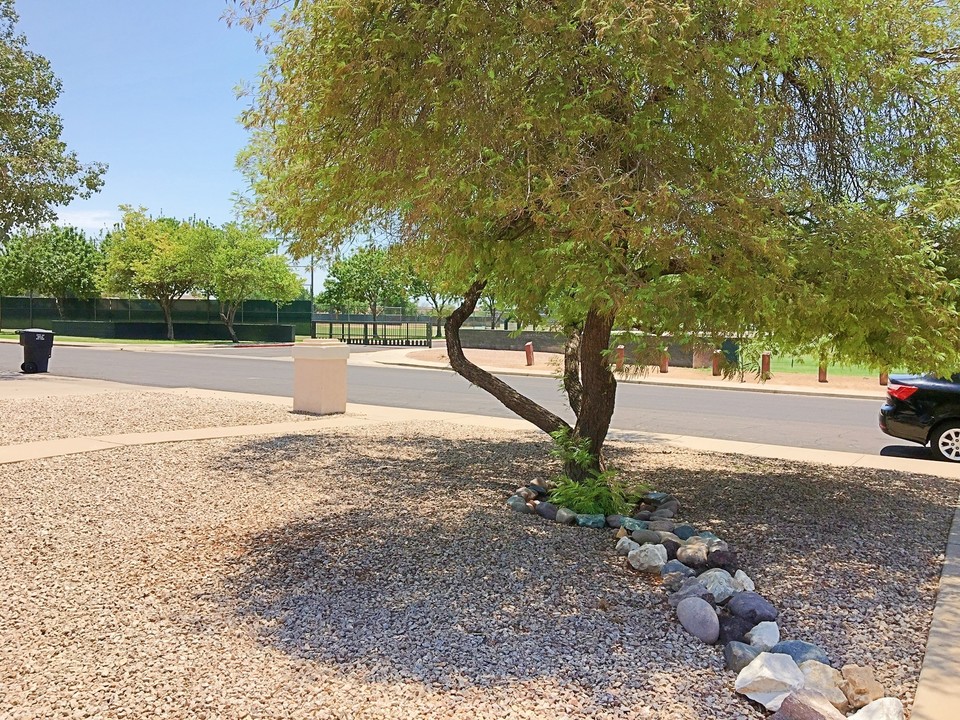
(415,570)
(412,569)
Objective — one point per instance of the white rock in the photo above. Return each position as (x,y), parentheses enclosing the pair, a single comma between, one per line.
(648,558)
(720,583)
(826,681)
(769,679)
(883,709)
(625,545)
(764,636)
(744,581)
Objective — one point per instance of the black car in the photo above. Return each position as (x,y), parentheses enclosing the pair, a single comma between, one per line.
(924,409)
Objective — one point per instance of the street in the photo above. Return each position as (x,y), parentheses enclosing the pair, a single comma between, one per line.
(826,423)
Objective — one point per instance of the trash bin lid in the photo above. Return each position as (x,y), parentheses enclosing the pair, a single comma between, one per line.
(35,330)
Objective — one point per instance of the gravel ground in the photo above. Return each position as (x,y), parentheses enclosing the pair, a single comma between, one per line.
(52,418)
(375,573)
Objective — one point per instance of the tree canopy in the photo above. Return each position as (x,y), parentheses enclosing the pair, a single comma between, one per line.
(369,276)
(157,258)
(241,264)
(56,261)
(683,167)
(37,172)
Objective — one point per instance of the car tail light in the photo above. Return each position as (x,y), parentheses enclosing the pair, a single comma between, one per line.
(901,392)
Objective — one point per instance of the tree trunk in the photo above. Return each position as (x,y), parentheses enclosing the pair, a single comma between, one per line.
(511,399)
(571,370)
(228,313)
(599,389)
(165,305)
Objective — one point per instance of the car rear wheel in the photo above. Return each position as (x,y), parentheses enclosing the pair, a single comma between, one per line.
(945,442)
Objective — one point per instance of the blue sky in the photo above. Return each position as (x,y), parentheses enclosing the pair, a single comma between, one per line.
(148,88)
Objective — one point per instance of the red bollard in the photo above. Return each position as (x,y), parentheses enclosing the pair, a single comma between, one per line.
(620,358)
(717,354)
(528,349)
(822,374)
(664,362)
(765,364)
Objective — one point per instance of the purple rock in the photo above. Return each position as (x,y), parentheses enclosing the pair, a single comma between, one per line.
(547,510)
(699,619)
(753,607)
(614,521)
(733,629)
(642,515)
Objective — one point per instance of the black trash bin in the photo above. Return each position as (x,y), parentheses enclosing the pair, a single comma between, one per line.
(37,348)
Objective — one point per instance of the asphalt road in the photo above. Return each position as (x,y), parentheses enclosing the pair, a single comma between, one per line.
(799,421)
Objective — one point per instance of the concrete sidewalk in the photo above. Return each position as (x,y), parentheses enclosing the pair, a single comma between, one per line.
(938,694)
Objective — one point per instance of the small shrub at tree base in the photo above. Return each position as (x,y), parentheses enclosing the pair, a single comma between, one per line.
(598,493)
(595,495)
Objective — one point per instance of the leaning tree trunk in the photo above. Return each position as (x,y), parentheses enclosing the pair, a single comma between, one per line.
(514,401)
(590,384)
(571,370)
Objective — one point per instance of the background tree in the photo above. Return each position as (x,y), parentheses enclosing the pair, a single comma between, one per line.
(57,262)
(368,276)
(37,172)
(242,264)
(573,152)
(157,258)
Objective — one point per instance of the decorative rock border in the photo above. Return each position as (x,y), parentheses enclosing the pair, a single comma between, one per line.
(716,602)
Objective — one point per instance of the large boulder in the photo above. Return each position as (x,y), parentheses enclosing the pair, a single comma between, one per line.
(719,582)
(826,681)
(860,686)
(691,587)
(648,558)
(625,546)
(806,704)
(769,679)
(674,573)
(733,628)
(738,655)
(698,618)
(801,651)
(547,510)
(752,607)
(566,516)
(518,504)
(644,537)
(764,635)
(693,553)
(887,708)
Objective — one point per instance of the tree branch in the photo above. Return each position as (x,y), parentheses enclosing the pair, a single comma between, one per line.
(511,399)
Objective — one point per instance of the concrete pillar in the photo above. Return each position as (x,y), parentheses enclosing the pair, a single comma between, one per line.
(664,362)
(620,357)
(320,377)
(765,363)
(822,373)
(715,364)
(884,377)
(528,351)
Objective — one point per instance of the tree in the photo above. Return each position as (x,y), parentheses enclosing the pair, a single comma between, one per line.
(157,258)
(674,165)
(56,261)
(369,276)
(433,291)
(37,172)
(241,264)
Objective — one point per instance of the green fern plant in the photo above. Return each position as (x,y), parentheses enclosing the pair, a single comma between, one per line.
(599,493)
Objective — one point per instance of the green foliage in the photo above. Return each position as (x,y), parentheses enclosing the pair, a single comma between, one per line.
(371,276)
(37,172)
(597,492)
(785,168)
(242,264)
(157,258)
(56,261)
